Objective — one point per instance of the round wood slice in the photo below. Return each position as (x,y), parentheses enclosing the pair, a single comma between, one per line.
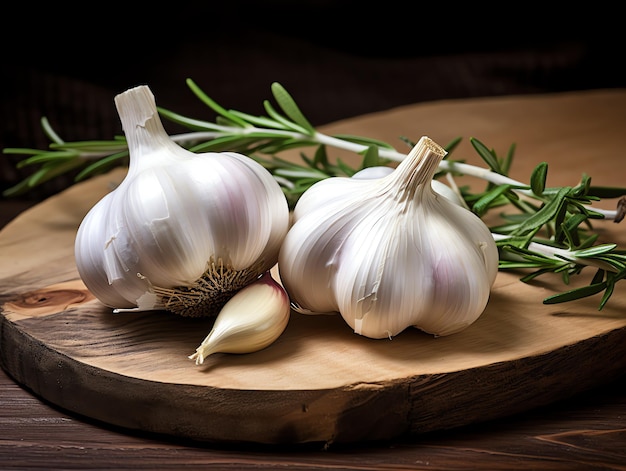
(320,382)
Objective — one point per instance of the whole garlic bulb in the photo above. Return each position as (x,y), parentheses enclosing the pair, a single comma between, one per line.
(183,231)
(389,253)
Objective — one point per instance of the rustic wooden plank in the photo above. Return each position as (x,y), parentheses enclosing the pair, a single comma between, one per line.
(586,432)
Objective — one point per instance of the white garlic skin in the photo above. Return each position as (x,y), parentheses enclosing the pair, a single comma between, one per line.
(389,253)
(382,171)
(173,212)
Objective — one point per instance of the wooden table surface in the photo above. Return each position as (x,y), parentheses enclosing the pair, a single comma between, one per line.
(584,432)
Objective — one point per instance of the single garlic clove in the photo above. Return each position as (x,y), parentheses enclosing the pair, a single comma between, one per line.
(250,321)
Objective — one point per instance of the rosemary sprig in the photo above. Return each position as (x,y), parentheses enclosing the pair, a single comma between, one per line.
(549,230)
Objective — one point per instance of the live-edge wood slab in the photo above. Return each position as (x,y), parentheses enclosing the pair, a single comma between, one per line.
(320,382)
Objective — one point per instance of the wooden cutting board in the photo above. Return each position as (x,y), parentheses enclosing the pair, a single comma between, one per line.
(320,382)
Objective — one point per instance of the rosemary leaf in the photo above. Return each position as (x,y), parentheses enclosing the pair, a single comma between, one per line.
(545,214)
(538,178)
(576,293)
(214,106)
(487,155)
(289,107)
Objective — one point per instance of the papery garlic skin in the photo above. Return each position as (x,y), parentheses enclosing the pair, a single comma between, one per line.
(182,231)
(389,253)
(250,321)
(382,171)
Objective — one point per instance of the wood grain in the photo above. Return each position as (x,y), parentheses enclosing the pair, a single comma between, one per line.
(585,433)
(320,382)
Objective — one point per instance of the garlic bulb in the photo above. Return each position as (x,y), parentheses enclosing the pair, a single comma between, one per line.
(389,253)
(183,231)
(250,321)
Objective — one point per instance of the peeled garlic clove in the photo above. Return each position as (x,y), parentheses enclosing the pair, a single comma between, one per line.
(183,231)
(389,253)
(250,321)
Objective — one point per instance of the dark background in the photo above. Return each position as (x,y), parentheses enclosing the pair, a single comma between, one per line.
(338,59)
